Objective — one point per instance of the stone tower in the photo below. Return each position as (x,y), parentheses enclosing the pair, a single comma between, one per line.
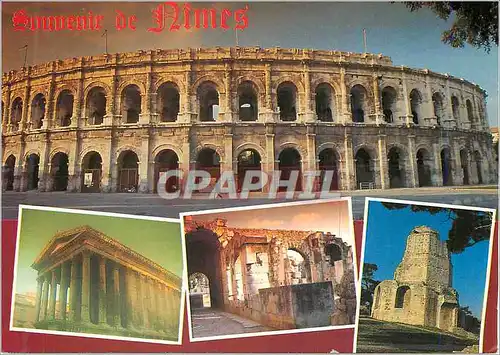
(421,292)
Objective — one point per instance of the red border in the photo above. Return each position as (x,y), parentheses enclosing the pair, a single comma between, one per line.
(310,342)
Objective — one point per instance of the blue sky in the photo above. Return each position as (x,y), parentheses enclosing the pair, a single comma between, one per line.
(411,39)
(385,245)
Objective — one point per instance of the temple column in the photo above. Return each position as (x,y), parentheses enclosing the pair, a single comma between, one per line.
(38,302)
(131,295)
(45,296)
(53,293)
(102,291)
(168,306)
(73,302)
(158,300)
(144,300)
(85,309)
(140,300)
(117,321)
(63,291)
(154,306)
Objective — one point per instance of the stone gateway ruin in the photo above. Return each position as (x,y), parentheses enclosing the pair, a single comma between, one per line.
(282,279)
(421,292)
(89,282)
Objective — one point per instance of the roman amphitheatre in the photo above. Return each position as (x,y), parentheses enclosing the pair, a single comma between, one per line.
(115,122)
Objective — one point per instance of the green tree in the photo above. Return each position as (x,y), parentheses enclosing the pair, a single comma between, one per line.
(475,23)
(467,229)
(368,284)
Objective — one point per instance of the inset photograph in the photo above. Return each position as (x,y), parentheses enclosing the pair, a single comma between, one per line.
(425,276)
(262,269)
(96,274)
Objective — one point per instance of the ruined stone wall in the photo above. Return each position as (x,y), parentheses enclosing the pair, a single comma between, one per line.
(461,128)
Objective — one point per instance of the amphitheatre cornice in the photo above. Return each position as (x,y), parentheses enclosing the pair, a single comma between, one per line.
(221,54)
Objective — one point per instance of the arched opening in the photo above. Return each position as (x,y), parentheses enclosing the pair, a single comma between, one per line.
(424,168)
(168,102)
(470,111)
(403,297)
(287,101)
(247,102)
(437,102)
(328,161)
(333,252)
(38,111)
(16,113)
(325,102)
(64,108)
(203,257)
(164,161)
(208,98)
(128,171)
(389,97)
(59,171)
(464,163)
(376,300)
(364,169)
(358,103)
(446,167)
(415,105)
(396,168)
(32,167)
(290,160)
(298,270)
(92,172)
(209,160)
(131,104)
(96,106)
(248,160)
(477,159)
(8,173)
(199,290)
(455,108)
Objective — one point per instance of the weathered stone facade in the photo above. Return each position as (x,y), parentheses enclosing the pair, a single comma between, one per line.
(115,122)
(283,279)
(421,292)
(102,286)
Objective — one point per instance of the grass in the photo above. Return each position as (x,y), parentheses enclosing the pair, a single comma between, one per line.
(380,336)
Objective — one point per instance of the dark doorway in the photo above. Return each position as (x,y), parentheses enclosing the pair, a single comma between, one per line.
(92,172)
(33,165)
(128,171)
(464,162)
(396,171)
(9,169)
(166,160)
(328,162)
(364,170)
(446,167)
(248,160)
(290,160)
(423,168)
(59,172)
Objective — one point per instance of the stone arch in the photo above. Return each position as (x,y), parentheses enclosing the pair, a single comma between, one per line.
(164,79)
(130,103)
(38,111)
(217,148)
(330,145)
(424,164)
(325,80)
(364,159)
(168,101)
(396,158)
(249,145)
(59,164)
(209,161)
(164,160)
(446,165)
(64,107)
(199,290)
(389,102)
(30,152)
(128,170)
(416,101)
(329,161)
(128,82)
(287,100)
(478,166)
(403,297)
(248,159)
(91,167)
(96,105)
(16,112)
(257,83)
(58,150)
(208,100)
(65,87)
(359,102)
(470,111)
(290,160)
(325,101)
(438,105)
(32,165)
(334,252)
(295,80)
(219,84)
(464,164)
(248,100)
(94,84)
(297,263)
(293,145)
(166,146)
(455,107)
(125,148)
(8,172)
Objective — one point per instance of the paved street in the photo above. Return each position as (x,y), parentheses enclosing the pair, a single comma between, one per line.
(212,322)
(154,205)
